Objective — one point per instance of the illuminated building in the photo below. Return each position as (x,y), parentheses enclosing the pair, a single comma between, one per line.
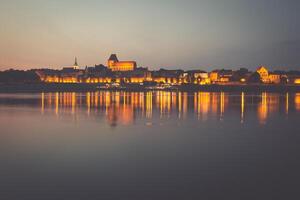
(293,78)
(197,77)
(213,76)
(139,75)
(168,76)
(126,72)
(263,73)
(267,77)
(221,76)
(274,78)
(66,75)
(74,67)
(297,81)
(115,65)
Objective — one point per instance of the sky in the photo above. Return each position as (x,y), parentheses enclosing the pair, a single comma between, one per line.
(171,34)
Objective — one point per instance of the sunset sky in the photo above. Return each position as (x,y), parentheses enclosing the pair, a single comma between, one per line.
(188,34)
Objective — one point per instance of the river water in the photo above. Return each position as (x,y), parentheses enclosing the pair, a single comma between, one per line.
(149,145)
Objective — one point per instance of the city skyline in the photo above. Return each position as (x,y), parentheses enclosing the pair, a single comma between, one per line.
(171,34)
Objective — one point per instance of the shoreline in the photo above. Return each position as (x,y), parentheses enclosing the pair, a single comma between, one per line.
(42,87)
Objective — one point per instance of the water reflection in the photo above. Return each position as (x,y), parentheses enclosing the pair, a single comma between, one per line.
(242,106)
(297,101)
(125,107)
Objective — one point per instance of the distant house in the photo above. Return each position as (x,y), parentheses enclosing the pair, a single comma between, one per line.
(274,78)
(263,73)
(269,77)
(62,76)
(97,74)
(293,77)
(97,71)
(66,75)
(168,76)
(139,75)
(198,77)
(221,76)
(74,67)
(214,76)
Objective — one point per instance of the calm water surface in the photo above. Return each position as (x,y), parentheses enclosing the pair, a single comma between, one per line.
(149,145)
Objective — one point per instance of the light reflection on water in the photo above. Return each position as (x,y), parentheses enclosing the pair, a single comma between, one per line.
(124,107)
(149,145)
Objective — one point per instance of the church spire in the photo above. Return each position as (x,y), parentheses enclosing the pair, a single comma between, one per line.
(75,64)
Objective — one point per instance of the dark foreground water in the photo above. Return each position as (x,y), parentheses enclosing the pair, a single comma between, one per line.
(160,145)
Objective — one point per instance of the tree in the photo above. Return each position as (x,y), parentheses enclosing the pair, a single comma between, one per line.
(254,78)
(18,76)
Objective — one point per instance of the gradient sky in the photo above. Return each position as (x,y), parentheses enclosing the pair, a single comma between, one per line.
(188,34)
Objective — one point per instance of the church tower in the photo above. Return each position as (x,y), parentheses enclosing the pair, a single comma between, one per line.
(112,60)
(76,64)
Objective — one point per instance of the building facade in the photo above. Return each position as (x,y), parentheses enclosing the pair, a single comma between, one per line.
(263,73)
(115,65)
(267,77)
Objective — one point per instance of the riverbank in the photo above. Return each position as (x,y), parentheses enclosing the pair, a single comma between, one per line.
(42,87)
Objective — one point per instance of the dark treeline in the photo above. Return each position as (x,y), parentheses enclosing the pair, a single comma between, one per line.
(19,76)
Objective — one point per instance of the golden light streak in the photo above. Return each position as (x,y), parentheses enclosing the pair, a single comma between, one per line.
(204,100)
(263,108)
(185,104)
(297,101)
(168,98)
(242,107)
(88,102)
(107,99)
(222,105)
(287,97)
(203,104)
(195,102)
(96,99)
(179,104)
(199,105)
(73,102)
(215,103)
(43,103)
(174,100)
(49,99)
(161,103)
(149,104)
(56,103)
(142,103)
